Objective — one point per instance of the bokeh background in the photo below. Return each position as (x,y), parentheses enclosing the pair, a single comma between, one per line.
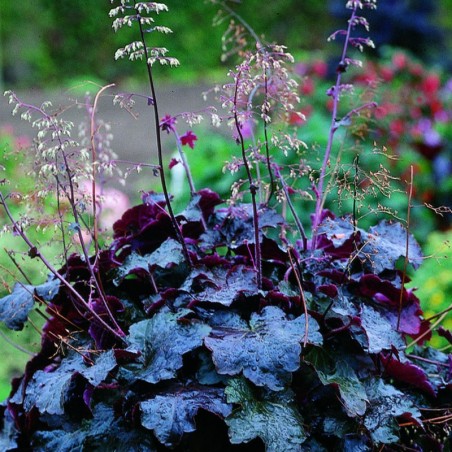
(50,49)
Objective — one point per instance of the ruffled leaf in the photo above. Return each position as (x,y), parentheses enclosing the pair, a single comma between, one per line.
(14,308)
(162,341)
(170,415)
(273,418)
(267,350)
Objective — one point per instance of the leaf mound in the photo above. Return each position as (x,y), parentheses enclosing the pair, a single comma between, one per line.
(313,359)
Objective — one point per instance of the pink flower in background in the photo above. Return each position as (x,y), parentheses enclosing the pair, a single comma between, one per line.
(188,138)
(112,203)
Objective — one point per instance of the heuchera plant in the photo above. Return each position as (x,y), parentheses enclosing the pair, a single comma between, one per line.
(212,329)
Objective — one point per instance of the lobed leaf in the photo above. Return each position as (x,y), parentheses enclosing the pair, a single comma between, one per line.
(162,341)
(170,415)
(267,350)
(379,332)
(167,254)
(47,391)
(103,432)
(14,308)
(386,404)
(274,418)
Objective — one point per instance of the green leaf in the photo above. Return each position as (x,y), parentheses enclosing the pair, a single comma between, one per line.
(274,419)
(386,404)
(173,414)
(14,308)
(267,351)
(162,341)
(332,369)
(351,390)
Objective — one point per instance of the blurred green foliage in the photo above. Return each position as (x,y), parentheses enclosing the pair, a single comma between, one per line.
(46,42)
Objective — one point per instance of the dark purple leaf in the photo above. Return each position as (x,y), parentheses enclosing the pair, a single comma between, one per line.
(99,371)
(221,285)
(104,432)
(172,414)
(162,341)
(14,308)
(386,404)
(169,253)
(267,351)
(406,372)
(447,334)
(47,391)
(386,243)
(380,334)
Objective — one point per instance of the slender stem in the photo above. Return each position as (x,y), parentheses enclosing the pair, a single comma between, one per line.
(253,190)
(13,344)
(267,150)
(159,145)
(291,207)
(332,131)
(93,168)
(118,333)
(70,194)
(407,246)
(302,297)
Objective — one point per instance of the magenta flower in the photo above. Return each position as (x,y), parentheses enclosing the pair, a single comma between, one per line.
(167,123)
(188,138)
(173,163)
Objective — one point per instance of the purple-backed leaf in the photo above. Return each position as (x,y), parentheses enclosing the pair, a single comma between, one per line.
(379,333)
(105,431)
(125,356)
(172,414)
(201,206)
(47,391)
(103,337)
(162,341)
(338,237)
(447,334)
(270,251)
(408,321)
(386,404)
(388,296)
(103,365)
(267,351)
(330,290)
(169,253)
(274,418)
(406,372)
(14,308)
(221,285)
(134,220)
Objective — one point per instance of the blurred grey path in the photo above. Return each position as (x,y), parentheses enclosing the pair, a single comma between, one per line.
(133,137)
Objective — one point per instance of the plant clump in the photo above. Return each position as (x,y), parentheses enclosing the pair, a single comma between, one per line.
(211,329)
